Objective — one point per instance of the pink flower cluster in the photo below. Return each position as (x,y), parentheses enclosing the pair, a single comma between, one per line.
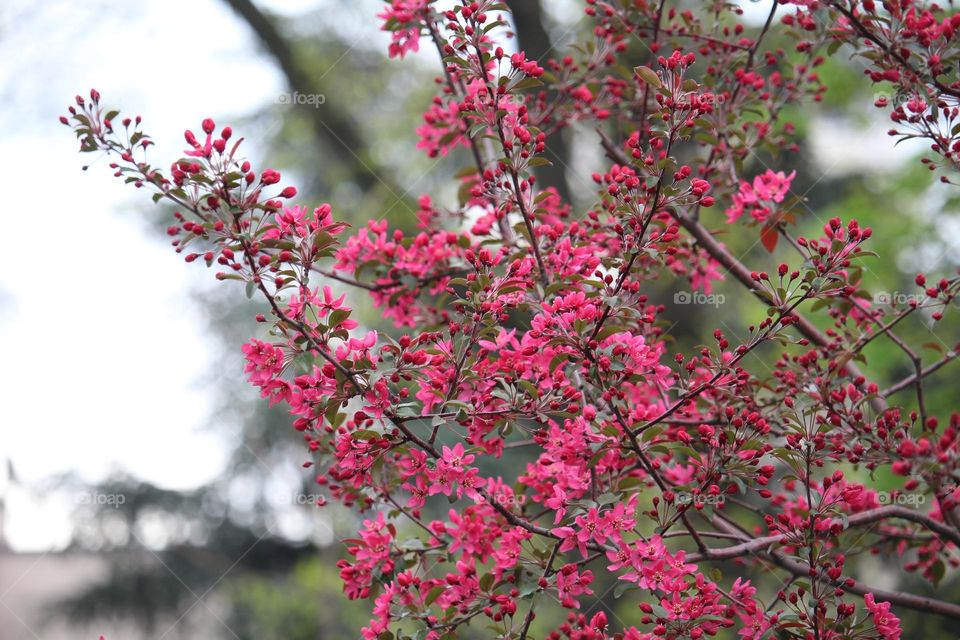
(404,20)
(761,197)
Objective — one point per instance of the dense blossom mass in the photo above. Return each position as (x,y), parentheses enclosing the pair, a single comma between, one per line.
(530,331)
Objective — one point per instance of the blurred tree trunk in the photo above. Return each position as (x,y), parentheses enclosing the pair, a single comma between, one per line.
(535,42)
(332,127)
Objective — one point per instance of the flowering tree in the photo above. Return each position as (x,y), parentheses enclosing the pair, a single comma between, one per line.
(530,327)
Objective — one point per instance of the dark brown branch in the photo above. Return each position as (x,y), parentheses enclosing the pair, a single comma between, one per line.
(901,598)
(856,520)
(909,380)
(802,570)
(333,275)
(546,572)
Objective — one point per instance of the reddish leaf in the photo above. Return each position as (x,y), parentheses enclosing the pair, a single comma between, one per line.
(769,237)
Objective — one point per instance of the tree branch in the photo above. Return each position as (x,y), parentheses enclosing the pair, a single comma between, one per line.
(856,520)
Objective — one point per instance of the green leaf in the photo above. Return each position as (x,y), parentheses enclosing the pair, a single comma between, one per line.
(651,433)
(530,388)
(937,571)
(486,582)
(337,316)
(649,76)
(607,498)
(527,83)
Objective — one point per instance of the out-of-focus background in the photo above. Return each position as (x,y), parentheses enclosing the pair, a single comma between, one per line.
(145,492)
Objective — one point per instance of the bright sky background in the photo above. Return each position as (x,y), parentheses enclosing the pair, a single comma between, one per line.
(103,350)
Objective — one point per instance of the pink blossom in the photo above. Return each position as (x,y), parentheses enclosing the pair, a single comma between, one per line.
(759,197)
(887,624)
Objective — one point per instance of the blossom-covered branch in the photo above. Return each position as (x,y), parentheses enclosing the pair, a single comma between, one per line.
(536,331)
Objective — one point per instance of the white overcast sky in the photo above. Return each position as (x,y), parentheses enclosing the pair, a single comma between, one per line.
(103,350)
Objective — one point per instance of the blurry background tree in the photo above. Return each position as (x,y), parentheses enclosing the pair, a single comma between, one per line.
(251,542)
